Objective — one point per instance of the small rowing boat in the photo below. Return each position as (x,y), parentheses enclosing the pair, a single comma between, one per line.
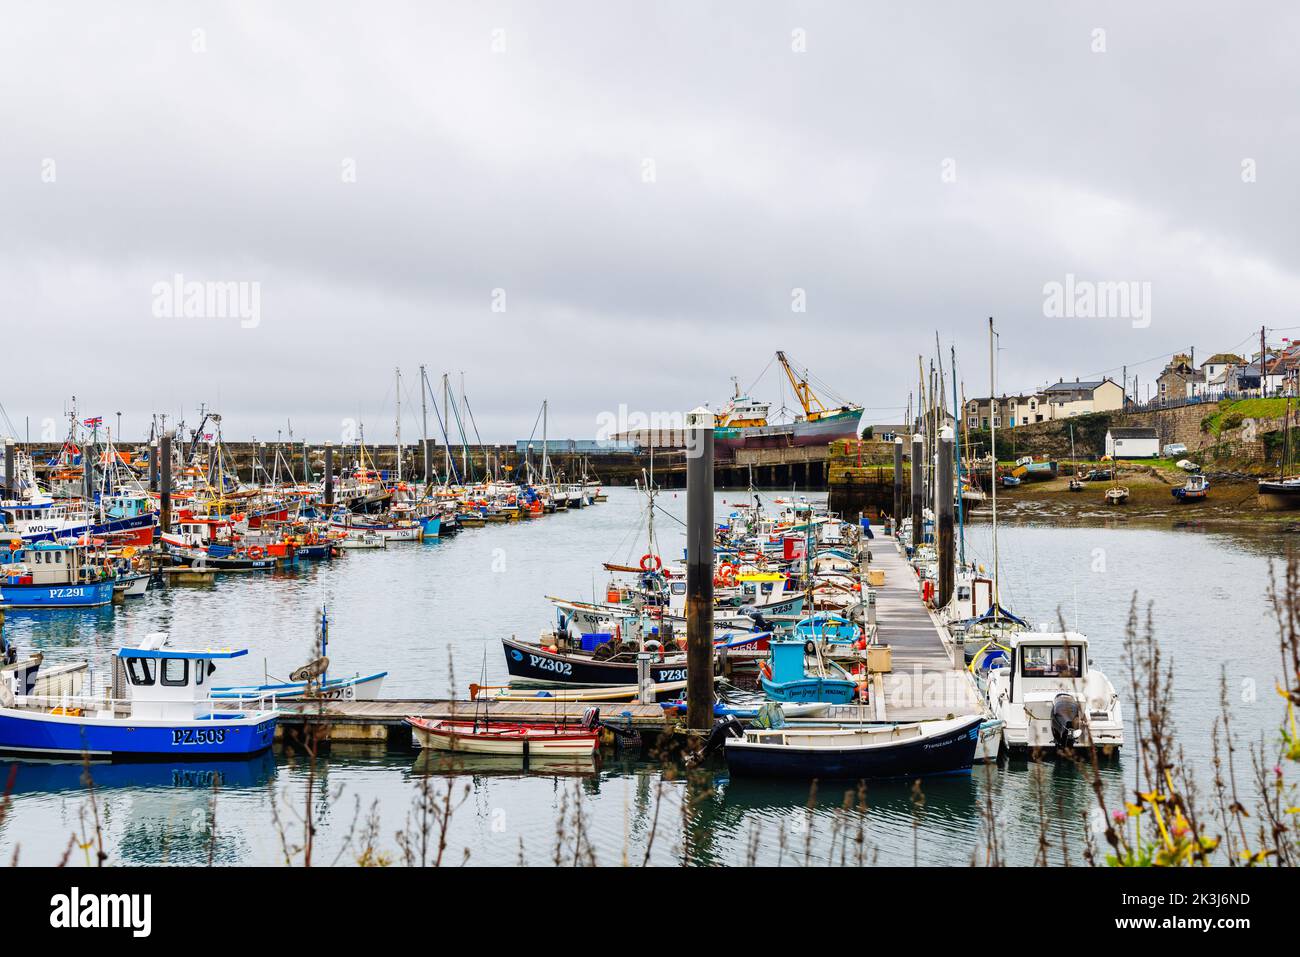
(523,740)
(615,693)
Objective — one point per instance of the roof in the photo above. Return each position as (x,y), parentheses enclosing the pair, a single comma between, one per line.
(1223,358)
(1076,386)
(1133,433)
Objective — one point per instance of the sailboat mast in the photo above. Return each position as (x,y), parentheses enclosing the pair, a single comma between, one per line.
(446,413)
(993,465)
(398,430)
(546,459)
(960,445)
(424,428)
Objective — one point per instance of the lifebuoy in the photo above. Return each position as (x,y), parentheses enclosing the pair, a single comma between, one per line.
(766,670)
(651,562)
(255,552)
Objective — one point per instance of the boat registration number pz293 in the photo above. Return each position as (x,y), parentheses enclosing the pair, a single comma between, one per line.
(189,736)
(550,664)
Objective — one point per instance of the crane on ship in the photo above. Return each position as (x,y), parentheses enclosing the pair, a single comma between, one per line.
(813,407)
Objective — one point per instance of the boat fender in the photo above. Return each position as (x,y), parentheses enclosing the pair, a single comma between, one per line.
(809,647)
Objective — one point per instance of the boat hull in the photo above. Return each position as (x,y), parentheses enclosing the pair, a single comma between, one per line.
(826,690)
(950,752)
(1279,496)
(538,664)
(57,596)
(44,735)
(362,688)
(512,740)
(828,428)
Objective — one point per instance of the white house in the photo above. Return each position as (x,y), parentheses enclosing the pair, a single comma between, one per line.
(1132,443)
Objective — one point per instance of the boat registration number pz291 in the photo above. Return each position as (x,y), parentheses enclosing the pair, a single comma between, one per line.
(67,592)
(550,664)
(189,736)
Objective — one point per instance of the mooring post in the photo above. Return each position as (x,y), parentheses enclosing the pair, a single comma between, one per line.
(943,508)
(699,569)
(165,493)
(329,473)
(11,470)
(917,467)
(645,692)
(153,465)
(898,483)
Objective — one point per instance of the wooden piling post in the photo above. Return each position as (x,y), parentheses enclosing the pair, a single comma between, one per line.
(11,469)
(165,492)
(699,569)
(329,473)
(898,481)
(153,465)
(943,509)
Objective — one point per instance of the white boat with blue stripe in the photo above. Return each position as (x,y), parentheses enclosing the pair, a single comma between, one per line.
(166,713)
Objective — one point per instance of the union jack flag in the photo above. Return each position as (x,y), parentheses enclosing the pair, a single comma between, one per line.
(207,437)
(92,423)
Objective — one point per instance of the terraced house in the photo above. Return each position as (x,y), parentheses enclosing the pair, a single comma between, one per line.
(1061,400)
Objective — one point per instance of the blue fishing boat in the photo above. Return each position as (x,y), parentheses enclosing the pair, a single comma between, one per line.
(1010,481)
(786,679)
(47,574)
(856,752)
(312,680)
(166,713)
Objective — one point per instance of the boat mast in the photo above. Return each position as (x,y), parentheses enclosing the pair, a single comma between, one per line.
(546,459)
(446,418)
(956,434)
(398,430)
(993,464)
(424,428)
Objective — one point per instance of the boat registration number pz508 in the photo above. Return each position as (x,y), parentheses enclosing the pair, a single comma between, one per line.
(187,736)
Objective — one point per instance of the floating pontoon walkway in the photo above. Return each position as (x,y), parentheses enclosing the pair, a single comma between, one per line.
(923,684)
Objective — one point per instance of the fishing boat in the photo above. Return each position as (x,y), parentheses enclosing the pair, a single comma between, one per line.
(47,574)
(1049,696)
(360,541)
(1010,481)
(166,713)
(743,423)
(786,677)
(523,740)
(857,752)
(1029,470)
(1195,489)
(312,680)
(537,663)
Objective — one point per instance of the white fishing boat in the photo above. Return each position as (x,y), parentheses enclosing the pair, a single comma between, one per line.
(504,738)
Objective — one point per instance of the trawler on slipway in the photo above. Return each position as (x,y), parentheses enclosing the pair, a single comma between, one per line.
(743,422)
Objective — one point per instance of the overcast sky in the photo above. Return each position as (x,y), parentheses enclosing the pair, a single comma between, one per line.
(648,183)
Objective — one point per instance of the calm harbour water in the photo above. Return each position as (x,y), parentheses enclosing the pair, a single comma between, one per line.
(432,611)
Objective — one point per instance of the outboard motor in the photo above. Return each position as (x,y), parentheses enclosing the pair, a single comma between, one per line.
(1066,724)
(590,718)
(723,729)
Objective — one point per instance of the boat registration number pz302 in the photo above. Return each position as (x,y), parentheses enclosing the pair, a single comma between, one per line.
(187,736)
(550,664)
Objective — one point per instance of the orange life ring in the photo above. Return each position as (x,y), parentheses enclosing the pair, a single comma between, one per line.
(766,670)
(650,561)
(256,552)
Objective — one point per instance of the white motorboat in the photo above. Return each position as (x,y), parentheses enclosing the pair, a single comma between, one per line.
(1050,696)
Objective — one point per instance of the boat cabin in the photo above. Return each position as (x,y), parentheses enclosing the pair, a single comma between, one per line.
(787,661)
(52,563)
(1045,664)
(167,683)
